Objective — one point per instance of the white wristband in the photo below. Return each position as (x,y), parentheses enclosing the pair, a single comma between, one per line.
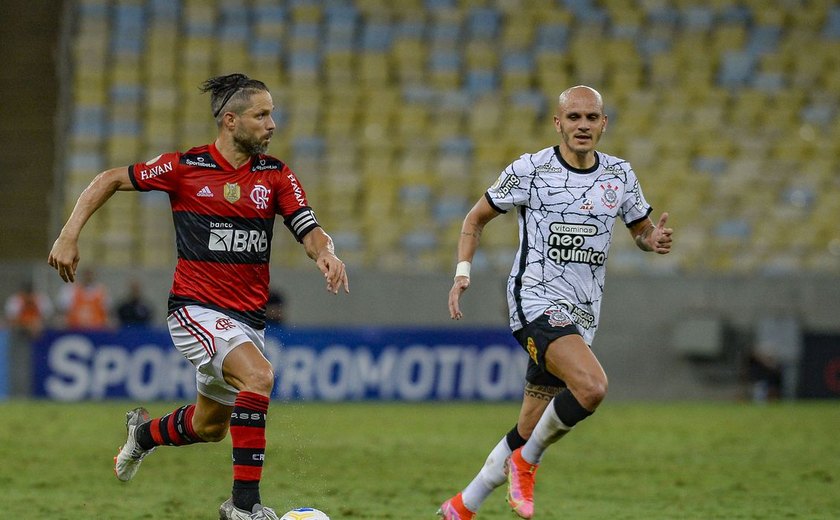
(463,269)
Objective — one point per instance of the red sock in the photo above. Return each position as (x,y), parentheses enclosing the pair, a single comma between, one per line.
(174,428)
(247,433)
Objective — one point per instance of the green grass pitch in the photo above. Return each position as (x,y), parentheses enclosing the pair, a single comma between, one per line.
(399,461)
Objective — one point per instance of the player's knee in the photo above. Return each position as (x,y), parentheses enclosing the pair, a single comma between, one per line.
(592,392)
(260,381)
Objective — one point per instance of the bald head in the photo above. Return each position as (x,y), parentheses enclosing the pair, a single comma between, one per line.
(579,93)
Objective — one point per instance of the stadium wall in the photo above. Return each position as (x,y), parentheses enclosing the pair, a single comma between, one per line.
(641,341)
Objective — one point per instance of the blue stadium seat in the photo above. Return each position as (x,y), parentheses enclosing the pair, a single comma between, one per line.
(552,38)
(446,33)
(481,81)
(483,23)
(266,47)
(831,29)
(764,39)
(737,14)
(736,68)
(376,37)
(698,18)
(439,5)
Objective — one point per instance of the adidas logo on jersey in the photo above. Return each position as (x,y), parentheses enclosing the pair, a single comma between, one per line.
(204,192)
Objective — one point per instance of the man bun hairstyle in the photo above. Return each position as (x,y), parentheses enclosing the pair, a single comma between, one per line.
(230,91)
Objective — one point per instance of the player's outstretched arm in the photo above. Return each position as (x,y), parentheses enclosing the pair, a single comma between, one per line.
(471,230)
(319,247)
(64,256)
(656,238)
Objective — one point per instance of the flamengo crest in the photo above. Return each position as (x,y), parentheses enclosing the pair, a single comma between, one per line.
(259,196)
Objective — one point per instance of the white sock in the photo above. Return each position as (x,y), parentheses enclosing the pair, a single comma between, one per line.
(549,430)
(491,476)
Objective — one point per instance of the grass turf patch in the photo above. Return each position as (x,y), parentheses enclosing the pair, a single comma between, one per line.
(400,461)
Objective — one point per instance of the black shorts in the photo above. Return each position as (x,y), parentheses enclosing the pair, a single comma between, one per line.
(534,338)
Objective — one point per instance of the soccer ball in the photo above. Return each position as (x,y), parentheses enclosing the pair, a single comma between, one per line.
(305,513)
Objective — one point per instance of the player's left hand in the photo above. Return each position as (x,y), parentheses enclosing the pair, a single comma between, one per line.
(334,272)
(660,238)
(64,257)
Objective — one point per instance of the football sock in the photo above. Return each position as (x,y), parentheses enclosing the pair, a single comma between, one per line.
(247,433)
(569,410)
(514,440)
(560,416)
(492,474)
(173,429)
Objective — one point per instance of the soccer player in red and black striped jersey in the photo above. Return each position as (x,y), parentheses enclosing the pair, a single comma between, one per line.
(224,198)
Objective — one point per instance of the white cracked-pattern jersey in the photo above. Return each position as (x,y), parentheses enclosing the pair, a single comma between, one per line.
(566,219)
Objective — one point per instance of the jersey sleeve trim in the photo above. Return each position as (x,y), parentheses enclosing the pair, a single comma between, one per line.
(493,204)
(133,180)
(648,212)
(301,222)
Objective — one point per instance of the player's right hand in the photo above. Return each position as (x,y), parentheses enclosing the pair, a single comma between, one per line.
(461,284)
(64,257)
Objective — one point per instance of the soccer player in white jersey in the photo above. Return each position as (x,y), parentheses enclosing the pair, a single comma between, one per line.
(567,199)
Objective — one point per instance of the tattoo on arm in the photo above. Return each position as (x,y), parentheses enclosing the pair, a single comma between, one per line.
(474,234)
(541,392)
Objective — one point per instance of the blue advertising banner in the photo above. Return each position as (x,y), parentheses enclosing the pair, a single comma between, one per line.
(311,364)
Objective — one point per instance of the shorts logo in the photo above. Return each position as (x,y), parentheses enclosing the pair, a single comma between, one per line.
(232,192)
(259,196)
(609,197)
(224,324)
(557,318)
(580,316)
(532,350)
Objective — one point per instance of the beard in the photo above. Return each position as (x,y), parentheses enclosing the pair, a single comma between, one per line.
(250,144)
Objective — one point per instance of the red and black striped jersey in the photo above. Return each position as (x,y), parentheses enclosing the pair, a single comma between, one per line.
(224,222)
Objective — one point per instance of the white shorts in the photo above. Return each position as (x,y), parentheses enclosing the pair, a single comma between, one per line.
(205,337)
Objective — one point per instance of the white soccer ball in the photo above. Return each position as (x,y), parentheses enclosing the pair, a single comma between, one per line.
(305,513)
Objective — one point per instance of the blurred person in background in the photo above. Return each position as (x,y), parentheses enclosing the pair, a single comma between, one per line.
(134,310)
(28,313)
(774,357)
(275,308)
(567,199)
(87,304)
(224,197)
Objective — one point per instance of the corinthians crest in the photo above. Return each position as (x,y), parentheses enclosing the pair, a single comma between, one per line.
(609,197)
(232,192)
